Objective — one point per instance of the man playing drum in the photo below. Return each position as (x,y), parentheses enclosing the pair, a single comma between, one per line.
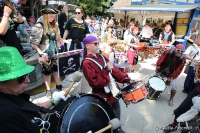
(98,79)
(170,64)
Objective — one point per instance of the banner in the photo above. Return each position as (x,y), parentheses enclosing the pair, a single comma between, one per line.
(68,65)
(182,26)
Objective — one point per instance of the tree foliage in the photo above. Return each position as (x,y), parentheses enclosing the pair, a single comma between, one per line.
(93,7)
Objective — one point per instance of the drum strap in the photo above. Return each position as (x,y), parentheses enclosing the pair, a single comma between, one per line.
(101,67)
(112,85)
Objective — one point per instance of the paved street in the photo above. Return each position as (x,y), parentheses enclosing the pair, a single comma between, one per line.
(147,115)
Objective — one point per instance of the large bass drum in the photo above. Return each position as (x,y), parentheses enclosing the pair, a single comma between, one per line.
(80,114)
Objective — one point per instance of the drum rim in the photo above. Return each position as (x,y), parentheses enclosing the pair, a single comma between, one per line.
(130,90)
(158,78)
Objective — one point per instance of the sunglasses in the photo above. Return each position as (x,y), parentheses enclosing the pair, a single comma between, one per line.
(21,79)
(77,12)
(40,122)
(95,43)
(180,51)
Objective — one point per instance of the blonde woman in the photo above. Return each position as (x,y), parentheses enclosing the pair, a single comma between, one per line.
(43,39)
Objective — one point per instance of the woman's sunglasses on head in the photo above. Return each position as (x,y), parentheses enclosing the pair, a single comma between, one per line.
(21,79)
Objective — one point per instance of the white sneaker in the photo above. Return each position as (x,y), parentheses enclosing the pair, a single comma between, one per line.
(69,78)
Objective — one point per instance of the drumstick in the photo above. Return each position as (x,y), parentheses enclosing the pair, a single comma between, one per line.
(76,78)
(113,124)
(68,89)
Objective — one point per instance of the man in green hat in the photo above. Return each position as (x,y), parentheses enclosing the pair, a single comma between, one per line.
(17,113)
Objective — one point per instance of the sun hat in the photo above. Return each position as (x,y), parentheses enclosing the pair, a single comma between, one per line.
(48,10)
(12,65)
(87,40)
(181,46)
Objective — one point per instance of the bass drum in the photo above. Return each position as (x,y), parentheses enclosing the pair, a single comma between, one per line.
(80,114)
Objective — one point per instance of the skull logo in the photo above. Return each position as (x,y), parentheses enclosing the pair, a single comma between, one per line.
(70,61)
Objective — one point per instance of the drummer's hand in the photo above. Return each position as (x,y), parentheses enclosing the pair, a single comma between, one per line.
(133,81)
(169,79)
(57,96)
(109,66)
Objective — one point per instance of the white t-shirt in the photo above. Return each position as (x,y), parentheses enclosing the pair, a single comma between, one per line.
(126,33)
(147,32)
(191,51)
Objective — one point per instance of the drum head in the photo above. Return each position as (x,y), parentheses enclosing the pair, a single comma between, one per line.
(87,113)
(157,83)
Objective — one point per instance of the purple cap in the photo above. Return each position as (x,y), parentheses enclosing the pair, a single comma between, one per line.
(86,40)
(89,39)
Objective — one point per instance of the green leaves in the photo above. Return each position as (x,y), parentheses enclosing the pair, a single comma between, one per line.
(93,7)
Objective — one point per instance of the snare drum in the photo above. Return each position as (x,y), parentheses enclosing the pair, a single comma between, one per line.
(80,114)
(125,67)
(134,93)
(156,86)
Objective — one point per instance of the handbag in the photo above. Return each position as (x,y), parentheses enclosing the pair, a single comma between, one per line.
(187,68)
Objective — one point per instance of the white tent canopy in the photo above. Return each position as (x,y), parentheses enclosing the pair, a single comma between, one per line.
(156,8)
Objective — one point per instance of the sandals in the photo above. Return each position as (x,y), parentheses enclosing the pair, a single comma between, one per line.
(170,103)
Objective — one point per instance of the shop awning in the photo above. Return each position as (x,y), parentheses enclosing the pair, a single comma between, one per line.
(155,8)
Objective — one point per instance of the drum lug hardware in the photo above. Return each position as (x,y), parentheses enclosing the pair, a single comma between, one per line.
(77,95)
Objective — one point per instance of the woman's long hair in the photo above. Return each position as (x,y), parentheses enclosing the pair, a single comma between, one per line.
(49,25)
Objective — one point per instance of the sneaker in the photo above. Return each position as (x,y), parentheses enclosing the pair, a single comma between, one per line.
(48,94)
(169,128)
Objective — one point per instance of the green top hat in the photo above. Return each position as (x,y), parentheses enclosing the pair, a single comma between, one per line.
(12,65)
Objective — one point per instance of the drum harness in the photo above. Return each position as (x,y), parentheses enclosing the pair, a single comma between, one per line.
(166,71)
(112,87)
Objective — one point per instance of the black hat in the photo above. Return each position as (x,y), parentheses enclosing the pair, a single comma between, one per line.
(48,10)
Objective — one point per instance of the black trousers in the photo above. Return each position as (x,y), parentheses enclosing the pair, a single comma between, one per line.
(186,104)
